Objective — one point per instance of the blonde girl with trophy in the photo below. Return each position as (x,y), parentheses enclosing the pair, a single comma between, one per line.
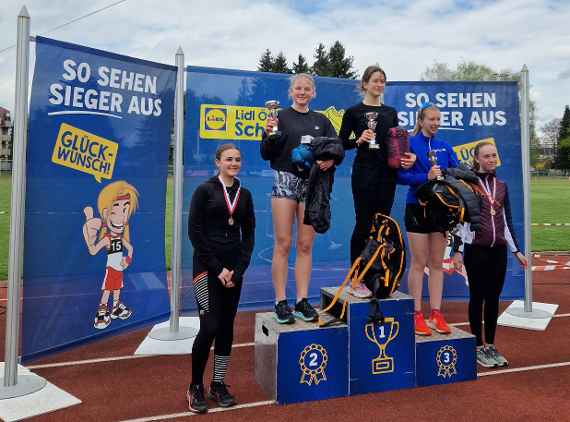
(289,193)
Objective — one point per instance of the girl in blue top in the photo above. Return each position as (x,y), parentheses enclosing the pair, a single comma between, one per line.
(426,243)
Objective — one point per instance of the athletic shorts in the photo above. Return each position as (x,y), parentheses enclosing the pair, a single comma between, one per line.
(416,222)
(287,185)
(113,279)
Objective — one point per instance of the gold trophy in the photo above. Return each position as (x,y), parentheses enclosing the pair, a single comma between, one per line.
(382,335)
(371,122)
(273,107)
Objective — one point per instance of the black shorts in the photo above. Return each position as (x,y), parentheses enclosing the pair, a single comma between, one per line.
(416,221)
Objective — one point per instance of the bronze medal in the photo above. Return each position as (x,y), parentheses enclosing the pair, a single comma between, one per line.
(230,204)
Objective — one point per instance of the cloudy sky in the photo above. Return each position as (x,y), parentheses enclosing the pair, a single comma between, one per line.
(403,36)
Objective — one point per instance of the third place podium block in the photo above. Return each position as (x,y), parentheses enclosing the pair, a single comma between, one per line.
(443,359)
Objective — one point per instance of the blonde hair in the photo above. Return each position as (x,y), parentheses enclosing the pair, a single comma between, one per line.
(421,115)
(476,150)
(368,72)
(305,76)
(111,193)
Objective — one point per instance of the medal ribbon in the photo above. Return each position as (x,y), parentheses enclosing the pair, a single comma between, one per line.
(490,195)
(230,204)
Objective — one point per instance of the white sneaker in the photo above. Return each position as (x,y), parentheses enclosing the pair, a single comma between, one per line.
(360,291)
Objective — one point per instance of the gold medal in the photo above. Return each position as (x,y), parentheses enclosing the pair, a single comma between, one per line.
(231,221)
(493,212)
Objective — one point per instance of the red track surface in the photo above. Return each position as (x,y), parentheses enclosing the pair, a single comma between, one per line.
(148,387)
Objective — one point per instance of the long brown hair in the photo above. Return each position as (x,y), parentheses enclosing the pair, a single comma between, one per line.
(476,153)
(421,115)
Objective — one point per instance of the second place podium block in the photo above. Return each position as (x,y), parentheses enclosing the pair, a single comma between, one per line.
(300,362)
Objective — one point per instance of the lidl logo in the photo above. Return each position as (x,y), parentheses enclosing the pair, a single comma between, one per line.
(243,123)
(215,118)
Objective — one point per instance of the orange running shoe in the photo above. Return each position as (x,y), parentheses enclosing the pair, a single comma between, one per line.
(437,322)
(420,324)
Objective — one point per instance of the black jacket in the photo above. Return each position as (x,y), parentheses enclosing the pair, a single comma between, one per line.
(317,203)
(292,125)
(217,244)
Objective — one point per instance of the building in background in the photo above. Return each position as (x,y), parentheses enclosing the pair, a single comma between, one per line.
(6,140)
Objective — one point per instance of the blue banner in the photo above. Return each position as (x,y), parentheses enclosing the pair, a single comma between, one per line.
(228,106)
(97,161)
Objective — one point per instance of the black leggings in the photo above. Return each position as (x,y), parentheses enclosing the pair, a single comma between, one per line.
(217,307)
(486,268)
(368,200)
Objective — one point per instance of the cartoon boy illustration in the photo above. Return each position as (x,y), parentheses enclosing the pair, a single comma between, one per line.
(116,203)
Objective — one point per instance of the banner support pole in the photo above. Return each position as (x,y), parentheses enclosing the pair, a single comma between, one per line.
(12,384)
(527,310)
(174,331)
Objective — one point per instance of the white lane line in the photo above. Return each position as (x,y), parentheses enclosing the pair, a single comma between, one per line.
(115,358)
(270,402)
(524,369)
(86,361)
(214,410)
(235,346)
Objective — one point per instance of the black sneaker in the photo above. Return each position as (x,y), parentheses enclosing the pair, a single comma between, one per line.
(304,311)
(283,313)
(220,394)
(196,401)
(121,311)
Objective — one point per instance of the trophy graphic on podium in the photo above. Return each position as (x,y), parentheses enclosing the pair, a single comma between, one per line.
(273,107)
(382,335)
(371,122)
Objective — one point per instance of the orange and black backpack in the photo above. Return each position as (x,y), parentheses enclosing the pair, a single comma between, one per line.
(380,265)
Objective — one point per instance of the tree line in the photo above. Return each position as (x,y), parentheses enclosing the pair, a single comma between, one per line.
(332,62)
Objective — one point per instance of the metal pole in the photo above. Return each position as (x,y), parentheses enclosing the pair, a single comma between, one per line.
(525,145)
(174,332)
(18,199)
(177,202)
(29,383)
(527,311)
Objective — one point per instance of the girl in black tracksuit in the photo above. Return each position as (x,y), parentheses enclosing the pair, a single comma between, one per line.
(373,182)
(486,254)
(221,228)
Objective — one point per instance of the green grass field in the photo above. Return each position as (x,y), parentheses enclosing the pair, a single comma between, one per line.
(550,201)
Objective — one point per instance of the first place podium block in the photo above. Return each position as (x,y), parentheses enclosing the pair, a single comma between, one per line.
(300,362)
(381,356)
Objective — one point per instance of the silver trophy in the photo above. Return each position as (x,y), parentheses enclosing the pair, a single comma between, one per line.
(273,107)
(432,156)
(371,122)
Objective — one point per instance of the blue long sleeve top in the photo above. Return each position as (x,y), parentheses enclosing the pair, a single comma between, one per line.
(417,175)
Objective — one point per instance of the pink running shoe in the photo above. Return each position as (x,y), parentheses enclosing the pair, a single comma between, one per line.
(360,291)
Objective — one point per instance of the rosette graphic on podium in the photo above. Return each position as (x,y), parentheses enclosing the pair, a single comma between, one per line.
(382,335)
(313,362)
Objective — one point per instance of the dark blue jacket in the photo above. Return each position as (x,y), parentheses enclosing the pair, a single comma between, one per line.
(417,175)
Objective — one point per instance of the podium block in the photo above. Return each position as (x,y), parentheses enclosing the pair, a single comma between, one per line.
(300,362)
(381,357)
(444,359)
